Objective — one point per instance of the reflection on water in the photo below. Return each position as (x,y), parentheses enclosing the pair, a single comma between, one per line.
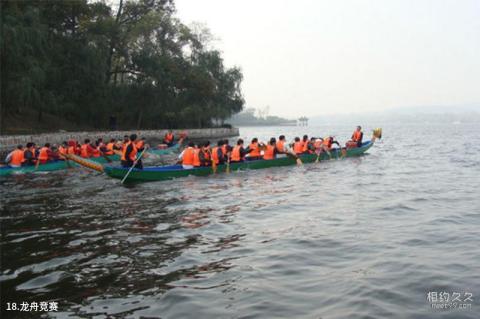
(363,237)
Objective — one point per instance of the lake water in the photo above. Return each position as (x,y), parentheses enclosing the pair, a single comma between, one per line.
(384,235)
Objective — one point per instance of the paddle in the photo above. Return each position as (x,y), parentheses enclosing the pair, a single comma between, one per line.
(37,163)
(133,165)
(227,170)
(65,159)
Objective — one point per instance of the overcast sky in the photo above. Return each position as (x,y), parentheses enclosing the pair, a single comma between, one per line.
(312,57)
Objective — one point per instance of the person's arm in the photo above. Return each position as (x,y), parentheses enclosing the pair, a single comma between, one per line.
(180,157)
(361,137)
(8,159)
(220,156)
(128,151)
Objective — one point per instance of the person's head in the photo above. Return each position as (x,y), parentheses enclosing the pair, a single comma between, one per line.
(305,138)
(133,137)
(225,142)
(64,143)
(191,144)
(87,141)
(125,138)
(240,142)
(297,139)
(272,141)
(20,147)
(281,138)
(47,145)
(206,144)
(254,140)
(29,144)
(144,139)
(312,139)
(100,140)
(220,143)
(112,140)
(359,128)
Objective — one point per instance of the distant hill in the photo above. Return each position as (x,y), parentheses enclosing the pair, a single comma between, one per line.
(248,118)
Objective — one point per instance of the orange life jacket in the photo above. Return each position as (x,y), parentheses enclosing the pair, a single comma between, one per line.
(255,150)
(133,154)
(110,149)
(215,155)
(72,150)
(62,150)
(236,156)
(188,155)
(206,153)
(269,152)
(168,138)
(356,136)
(280,146)
(18,157)
(196,157)
(224,149)
(96,152)
(305,146)
(140,144)
(328,142)
(43,155)
(317,144)
(298,147)
(85,151)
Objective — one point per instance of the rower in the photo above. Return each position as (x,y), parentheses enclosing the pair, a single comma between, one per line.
(169,138)
(129,154)
(238,152)
(217,153)
(305,148)
(62,149)
(254,150)
(29,155)
(187,156)
(72,148)
(357,136)
(270,150)
(281,145)
(111,147)
(125,141)
(204,154)
(328,143)
(45,154)
(226,150)
(87,150)
(16,157)
(298,146)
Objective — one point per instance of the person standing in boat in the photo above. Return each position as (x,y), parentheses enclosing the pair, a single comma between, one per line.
(129,155)
(169,138)
(16,157)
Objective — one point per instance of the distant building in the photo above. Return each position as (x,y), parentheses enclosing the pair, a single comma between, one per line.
(302,121)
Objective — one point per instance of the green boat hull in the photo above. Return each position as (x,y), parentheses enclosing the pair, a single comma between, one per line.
(51,166)
(162,173)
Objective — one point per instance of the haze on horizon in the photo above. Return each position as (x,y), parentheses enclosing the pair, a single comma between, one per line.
(311,57)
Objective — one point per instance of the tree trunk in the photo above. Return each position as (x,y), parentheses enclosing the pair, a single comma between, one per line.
(112,44)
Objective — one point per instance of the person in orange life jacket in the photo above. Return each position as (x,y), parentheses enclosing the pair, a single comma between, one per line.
(55,153)
(125,141)
(16,157)
(87,150)
(140,144)
(129,154)
(238,152)
(270,149)
(357,136)
(298,146)
(186,157)
(29,155)
(63,148)
(328,143)
(72,148)
(254,150)
(45,154)
(204,154)
(281,145)
(217,153)
(110,147)
(169,138)
(226,150)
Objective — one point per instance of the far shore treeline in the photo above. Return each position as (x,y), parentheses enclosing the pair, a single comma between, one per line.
(122,64)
